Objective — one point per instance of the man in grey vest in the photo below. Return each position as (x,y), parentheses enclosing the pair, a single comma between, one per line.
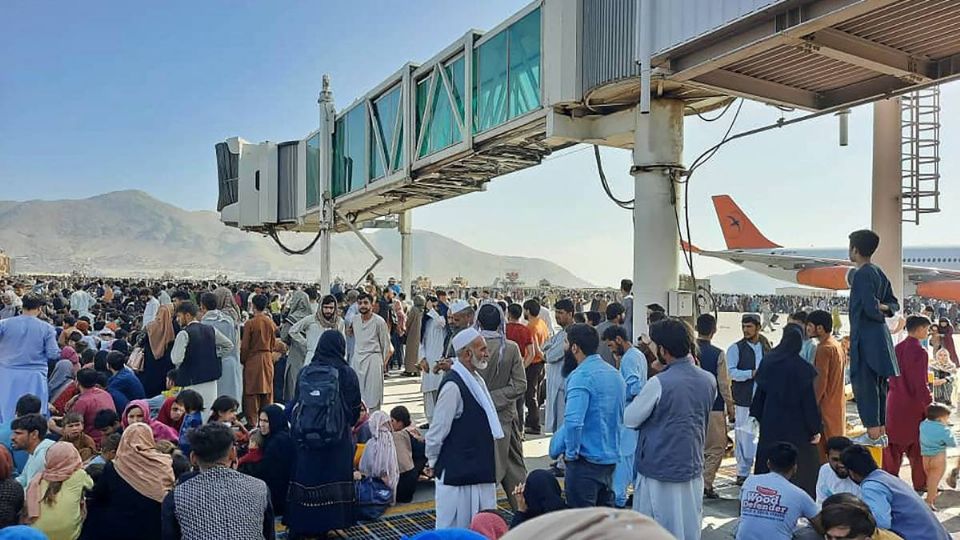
(743,361)
(671,412)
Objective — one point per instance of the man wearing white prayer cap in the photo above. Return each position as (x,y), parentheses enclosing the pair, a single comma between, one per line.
(460,316)
(461,441)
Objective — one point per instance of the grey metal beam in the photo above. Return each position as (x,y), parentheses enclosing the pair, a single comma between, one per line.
(766,35)
(753,88)
(870,88)
(868,54)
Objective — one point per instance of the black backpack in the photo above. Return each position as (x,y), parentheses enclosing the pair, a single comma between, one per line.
(318,418)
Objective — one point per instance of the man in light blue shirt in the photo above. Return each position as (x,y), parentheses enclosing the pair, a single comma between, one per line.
(770,505)
(27,404)
(591,449)
(743,361)
(633,369)
(28,435)
(26,345)
(809,349)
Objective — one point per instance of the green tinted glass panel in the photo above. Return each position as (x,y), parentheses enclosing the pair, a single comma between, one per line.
(423,88)
(458,81)
(313,171)
(398,157)
(490,83)
(387,110)
(440,127)
(350,159)
(524,77)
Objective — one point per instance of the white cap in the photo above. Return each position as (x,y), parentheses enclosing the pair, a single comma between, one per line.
(464,337)
(459,305)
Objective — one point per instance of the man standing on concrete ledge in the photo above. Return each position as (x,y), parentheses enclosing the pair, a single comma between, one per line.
(465,424)
(872,357)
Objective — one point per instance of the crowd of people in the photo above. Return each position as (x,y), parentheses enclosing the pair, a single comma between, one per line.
(201,410)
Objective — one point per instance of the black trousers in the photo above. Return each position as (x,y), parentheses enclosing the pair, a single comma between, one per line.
(531,396)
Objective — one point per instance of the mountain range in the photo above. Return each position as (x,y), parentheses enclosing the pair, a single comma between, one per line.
(130,233)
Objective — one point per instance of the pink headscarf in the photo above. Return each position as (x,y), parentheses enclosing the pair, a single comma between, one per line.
(379,458)
(161,431)
(69,353)
(63,460)
(489,524)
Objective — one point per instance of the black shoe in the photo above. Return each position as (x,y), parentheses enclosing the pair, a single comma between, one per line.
(710,493)
(741,480)
(424,426)
(409,374)
(531,431)
(556,471)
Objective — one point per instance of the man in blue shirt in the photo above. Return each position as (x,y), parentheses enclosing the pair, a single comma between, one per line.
(26,345)
(743,361)
(770,505)
(124,386)
(894,504)
(633,369)
(27,404)
(591,449)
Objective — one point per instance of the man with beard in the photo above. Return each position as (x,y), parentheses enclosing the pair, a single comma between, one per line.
(433,334)
(460,316)
(465,424)
(553,356)
(743,361)
(506,381)
(833,477)
(371,352)
(633,369)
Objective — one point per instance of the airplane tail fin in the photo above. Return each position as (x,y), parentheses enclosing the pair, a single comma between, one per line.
(738,231)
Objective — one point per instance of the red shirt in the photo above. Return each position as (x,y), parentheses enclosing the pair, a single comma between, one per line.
(89,404)
(521,335)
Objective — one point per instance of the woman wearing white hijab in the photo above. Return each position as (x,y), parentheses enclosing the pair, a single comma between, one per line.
(379,458)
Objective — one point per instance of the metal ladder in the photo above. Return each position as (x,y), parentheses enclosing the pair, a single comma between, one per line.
(920,153)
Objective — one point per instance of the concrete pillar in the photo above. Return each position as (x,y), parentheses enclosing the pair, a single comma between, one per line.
(406,251)
(657,149)
(886,211)
(328,115)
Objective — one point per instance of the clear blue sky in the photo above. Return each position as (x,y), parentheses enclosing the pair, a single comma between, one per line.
(103,96)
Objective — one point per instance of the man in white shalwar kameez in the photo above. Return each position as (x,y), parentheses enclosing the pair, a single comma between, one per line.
(553,351)
(431,350)
(465,421)
(370,353)
(671,412)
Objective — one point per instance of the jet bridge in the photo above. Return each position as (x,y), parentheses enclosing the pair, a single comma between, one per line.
(560,72)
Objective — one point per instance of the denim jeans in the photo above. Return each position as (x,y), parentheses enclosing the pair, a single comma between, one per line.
(588,484)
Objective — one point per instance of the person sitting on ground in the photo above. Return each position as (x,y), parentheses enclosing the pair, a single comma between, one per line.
(833,477)
(894,504)
(123,386)
(91,401)
(605,523)
(490,524)
(935,438)
(29,435)
(411,459)
(852,513)
(139,411)
(55,496)
(254,452)
(125,501)
(11,493)
(224,410)
(757,522)
(539,495)
(73,434)
(192,403)
(217,501)
(278,455)
(379,458)
(108,450)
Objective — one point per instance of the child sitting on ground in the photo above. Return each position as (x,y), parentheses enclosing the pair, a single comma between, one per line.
(254,451)
(411,456)
(73,434)
(224,410)
(192,403)
(108,450)
(935,437)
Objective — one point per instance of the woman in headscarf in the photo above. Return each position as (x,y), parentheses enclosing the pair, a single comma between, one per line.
(946,339)
(227,304)
(590,523)
(539,495)
(379,458)
(786,407)
(55,495)
(61,376)
(69,353)
(138,411)
(322,498)
(298,309)
(278,456)
(157,342)
(171,413)
(11,492)
(125,502)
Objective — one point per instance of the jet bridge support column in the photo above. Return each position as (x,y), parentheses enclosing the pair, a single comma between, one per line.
(406,251)
(657,155)
(886,211)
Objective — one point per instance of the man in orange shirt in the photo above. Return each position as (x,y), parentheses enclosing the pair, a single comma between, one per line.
(828,360)
(540,334)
